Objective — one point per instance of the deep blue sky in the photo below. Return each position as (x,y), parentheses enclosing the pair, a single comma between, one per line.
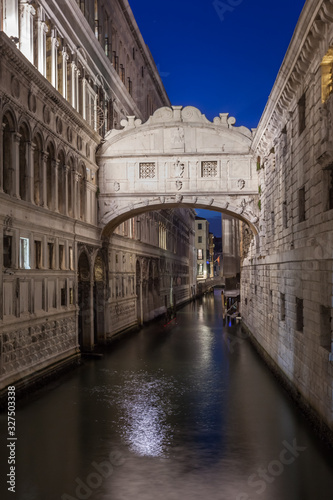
(218,65)
(219,62)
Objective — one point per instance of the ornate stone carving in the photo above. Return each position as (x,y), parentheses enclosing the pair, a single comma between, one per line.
(179,168)
(179,185)
(179,198)
(209,169)
(147,170)
(111,206)
(177,136)
(241,183)
(116,186)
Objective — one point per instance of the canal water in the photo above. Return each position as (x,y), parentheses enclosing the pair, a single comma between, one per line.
(179,412)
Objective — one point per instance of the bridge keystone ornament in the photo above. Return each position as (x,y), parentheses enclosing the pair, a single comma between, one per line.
(213,166)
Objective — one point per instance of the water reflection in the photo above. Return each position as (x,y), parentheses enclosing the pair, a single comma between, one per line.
(146,401)
(193,411)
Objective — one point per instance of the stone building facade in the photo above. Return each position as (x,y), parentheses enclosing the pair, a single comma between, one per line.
(286,284)
(70,71)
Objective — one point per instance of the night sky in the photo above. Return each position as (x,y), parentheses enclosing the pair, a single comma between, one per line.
(221,56)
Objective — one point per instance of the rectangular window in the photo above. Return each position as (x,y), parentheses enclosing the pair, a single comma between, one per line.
(301,114)
(199,227)
(199,253)
(284,215)
(301,204)
(209,169)
(273,223)
(7,251)
(326,327)
(199,239)
(38,254)
(299,315)
(71,261)
(63,296)
(146,170)
(200,269)
(24,253)
(61,257)
(50,248)
(328,186)
(283,306)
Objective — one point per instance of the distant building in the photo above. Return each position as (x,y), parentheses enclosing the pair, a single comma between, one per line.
(218,270)
(202,245)
(231,251)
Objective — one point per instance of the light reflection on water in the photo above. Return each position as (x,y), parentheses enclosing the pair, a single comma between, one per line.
(193,412)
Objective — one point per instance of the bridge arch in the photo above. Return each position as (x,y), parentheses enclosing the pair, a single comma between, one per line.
(177,158)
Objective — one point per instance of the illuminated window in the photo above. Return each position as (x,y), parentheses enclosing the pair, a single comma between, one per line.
(24,253)
(71,261)
(326,75)
(200,254)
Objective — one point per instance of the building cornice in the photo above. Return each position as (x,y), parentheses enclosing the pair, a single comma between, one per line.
(306,39)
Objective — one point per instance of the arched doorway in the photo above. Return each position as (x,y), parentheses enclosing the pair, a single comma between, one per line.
(85,323)
(99,299)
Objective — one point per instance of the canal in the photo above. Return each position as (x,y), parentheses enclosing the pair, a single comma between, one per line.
(182,412)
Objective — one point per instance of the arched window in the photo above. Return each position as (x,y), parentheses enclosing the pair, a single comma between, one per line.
(69,184)
(8,129)
(82,187)
(50,177)
(38,169)
(61,183)
(23,162)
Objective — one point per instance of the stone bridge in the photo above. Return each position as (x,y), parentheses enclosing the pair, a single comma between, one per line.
(177,158)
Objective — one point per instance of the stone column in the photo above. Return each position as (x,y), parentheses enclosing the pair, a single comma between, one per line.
(26,30)
(76,196)
(66,174)
(77,91)
(15,191)
(30,172)
(55,168)
(41,37)
(54,58)
(84,103)
(65,58)
(43,180)
(73,85)
(11,21)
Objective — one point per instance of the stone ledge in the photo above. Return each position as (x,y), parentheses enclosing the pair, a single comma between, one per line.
(39,379)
